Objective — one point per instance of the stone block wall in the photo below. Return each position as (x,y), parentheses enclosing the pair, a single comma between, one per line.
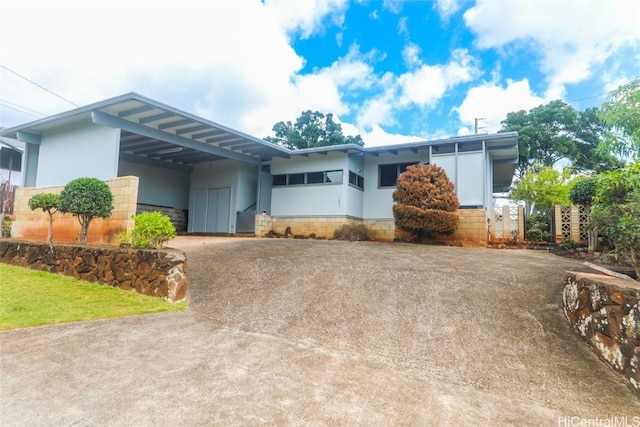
(148,272)
(33,225)
(605,312)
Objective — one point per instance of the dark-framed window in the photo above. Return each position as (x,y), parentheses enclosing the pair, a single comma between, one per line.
(356,180)
(302,178)
(295,179)
(315,177)
(278,180)
(388,174)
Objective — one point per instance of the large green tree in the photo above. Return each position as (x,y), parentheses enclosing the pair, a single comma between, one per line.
(588,156)
(542,187)
(621,112)
(311,129)
(557,131)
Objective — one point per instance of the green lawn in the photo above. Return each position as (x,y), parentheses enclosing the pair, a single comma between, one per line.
(35,298)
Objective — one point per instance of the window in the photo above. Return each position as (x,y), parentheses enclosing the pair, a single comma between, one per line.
(470,146)
(388,174)
(279,180)
(315,177)
(334,177)
(296,179)
(356,180)
(444,149)
(324,177)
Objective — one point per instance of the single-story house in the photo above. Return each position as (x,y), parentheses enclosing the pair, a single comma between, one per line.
(212,179)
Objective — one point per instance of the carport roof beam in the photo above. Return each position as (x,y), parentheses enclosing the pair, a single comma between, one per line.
(116,122)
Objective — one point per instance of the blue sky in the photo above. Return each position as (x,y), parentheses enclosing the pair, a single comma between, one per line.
(391,71)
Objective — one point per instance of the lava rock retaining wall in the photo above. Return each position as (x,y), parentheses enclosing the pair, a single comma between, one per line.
(605,311)
(148,272)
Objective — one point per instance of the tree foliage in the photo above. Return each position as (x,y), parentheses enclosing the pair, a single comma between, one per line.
(311,129)
(49,203)
(615,212)
(426,201)
(621,112)
(151,230)
(588,155)
(541,188)
(583,190)
(86,198)
(555,131)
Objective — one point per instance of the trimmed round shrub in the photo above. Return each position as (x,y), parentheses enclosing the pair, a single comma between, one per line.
(416,219)
(49,203)
(86,198)
(151,230)
(583,191)
(426,201)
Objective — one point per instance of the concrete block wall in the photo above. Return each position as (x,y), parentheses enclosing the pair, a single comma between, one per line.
(381,230)
(33,225)
(472,230)
(320,226)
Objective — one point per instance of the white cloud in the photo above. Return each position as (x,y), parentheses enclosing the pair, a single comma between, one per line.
(377,111)
(428,84)
(306,16)
(491,103)
(377,137)
(403,27)
(571,37)
(393,6)
(229,60)
(446,8)
(411,55)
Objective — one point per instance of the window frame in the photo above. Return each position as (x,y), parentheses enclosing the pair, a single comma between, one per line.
(399,168)
(359,180)
(284,179)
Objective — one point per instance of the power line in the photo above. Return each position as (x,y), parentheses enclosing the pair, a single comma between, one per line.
(15,106)
(18,110)
(40,86)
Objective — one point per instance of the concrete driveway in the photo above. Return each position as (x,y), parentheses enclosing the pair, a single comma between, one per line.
(297,332)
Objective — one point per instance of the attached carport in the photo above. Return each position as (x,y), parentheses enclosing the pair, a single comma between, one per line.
(162,145)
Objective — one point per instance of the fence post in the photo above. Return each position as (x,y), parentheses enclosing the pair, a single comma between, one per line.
(506,223)
(520,223)
(575,223)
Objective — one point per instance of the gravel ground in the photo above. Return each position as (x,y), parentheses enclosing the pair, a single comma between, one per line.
(299,332)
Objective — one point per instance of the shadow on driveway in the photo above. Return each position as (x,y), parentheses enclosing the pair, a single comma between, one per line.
(297,332)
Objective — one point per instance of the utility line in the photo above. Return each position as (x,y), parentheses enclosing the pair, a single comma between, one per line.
(15,106)
(18,110)
(40,86)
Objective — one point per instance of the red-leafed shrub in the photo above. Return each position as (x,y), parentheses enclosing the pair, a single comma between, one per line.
(426,201)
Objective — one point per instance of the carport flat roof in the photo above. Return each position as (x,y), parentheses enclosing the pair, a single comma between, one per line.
(156,132)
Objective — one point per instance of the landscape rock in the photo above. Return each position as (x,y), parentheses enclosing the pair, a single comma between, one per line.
(149,272)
